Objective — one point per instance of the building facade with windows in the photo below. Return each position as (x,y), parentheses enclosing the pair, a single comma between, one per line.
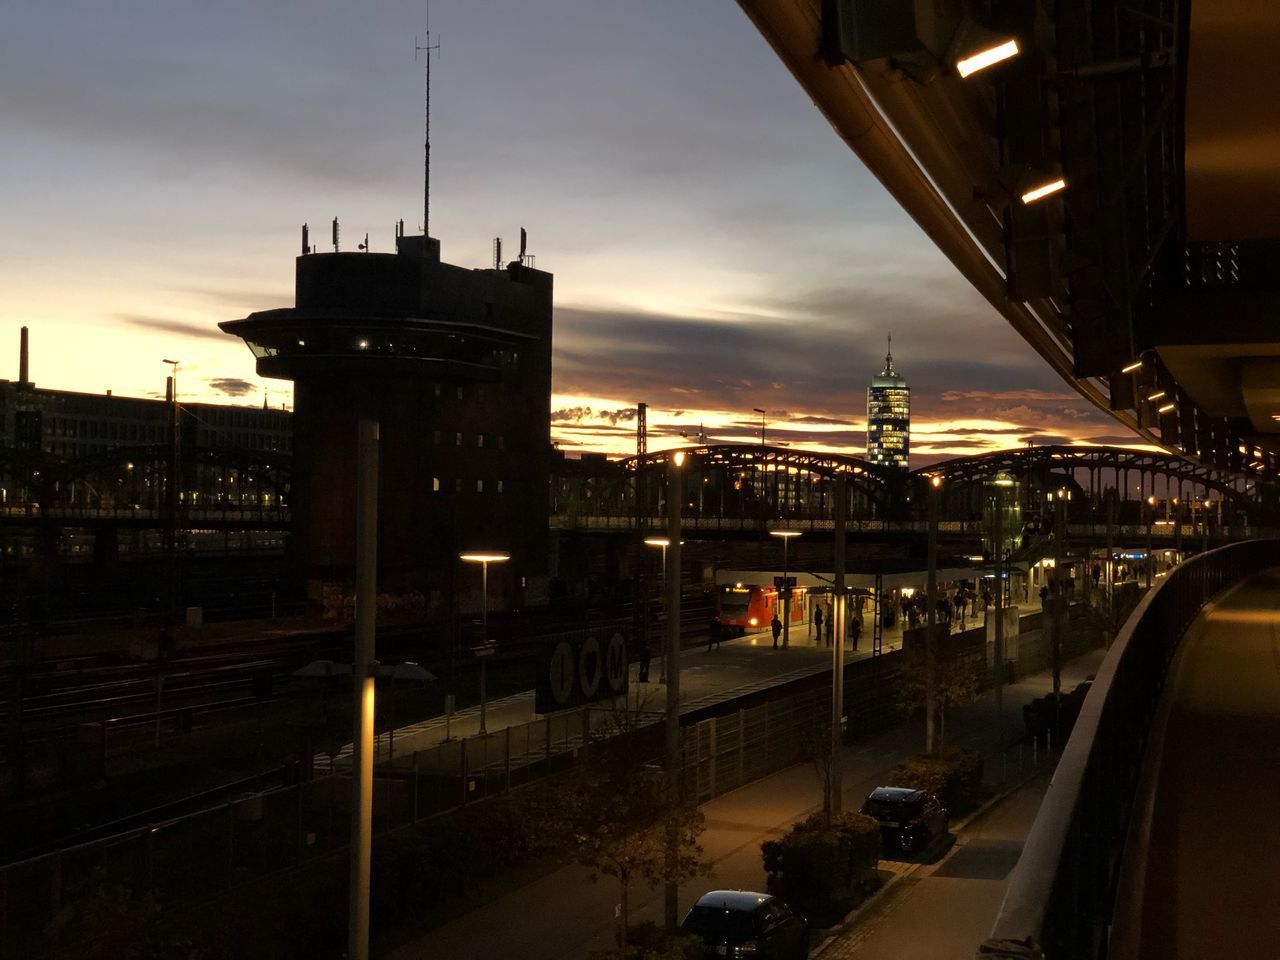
(889,417)
(455,365)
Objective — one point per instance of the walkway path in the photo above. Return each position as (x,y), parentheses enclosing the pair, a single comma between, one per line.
(1209,884)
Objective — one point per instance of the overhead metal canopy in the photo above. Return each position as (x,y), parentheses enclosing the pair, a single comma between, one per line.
(1106,278)
(1233,121)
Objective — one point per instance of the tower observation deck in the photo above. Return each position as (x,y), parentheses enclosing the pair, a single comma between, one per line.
(455,364)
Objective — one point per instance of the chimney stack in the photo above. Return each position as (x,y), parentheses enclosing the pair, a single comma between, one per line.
(24,362)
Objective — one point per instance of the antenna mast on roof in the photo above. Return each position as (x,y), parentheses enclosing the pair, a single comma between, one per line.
(426,166)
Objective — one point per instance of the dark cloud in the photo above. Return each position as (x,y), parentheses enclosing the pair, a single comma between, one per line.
(578,414)
(179,327)
(231,386)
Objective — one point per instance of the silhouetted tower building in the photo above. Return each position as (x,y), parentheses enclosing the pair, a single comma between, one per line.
(455,364)
(889,416)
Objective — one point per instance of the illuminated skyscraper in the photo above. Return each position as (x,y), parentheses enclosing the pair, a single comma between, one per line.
(889,416)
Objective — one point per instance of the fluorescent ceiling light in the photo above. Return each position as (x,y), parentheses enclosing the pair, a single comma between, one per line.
(1167,407)
(985,58)
(1155,396)
(1136,365)
(1039,193)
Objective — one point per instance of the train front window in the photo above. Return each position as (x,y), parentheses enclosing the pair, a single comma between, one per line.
(735,602)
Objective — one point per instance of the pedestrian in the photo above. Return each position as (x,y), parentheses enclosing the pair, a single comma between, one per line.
(1097,575)
(817,619)
(713,634)
(776,626)
(831,622)
(962,604)
(1044,594)
(987,599)
(855,631)
(645,655)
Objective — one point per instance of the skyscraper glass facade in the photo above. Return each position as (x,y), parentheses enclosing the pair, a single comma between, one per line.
(889,417)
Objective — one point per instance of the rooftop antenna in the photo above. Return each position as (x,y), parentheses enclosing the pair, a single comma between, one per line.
(335,234)
(426,49)
(497,253)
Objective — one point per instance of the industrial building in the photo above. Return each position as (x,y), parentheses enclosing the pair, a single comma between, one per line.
(455,365)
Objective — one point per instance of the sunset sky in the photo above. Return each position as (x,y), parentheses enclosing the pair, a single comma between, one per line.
(715,246)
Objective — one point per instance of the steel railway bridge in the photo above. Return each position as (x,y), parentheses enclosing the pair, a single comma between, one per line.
(748,487)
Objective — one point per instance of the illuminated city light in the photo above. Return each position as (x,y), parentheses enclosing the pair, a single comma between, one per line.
(1166,407)
(1156,396)
(1130,368)
(1044,190)
(986,58)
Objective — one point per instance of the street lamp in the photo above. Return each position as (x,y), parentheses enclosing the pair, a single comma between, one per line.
(171,505)
(662,542)
(1151,519)
(484,558)
(785,536)
(931,613)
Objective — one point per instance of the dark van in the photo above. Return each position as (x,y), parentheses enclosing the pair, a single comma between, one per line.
(910,820)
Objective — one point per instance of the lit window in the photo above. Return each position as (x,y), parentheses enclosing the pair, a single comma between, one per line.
(479,439)
(435,484)
(502,487)
(459,441)
(479,486)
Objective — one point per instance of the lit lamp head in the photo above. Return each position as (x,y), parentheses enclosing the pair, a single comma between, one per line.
(784,534)
(657,542)
(987,57)
(677,458)
(935,482)
(484,556)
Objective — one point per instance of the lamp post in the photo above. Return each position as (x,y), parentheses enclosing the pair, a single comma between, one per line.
(785,536)
(171,498)
(675,496)
(484,558)
(1060,599)
(662,542)
(362,673)
(1151,519)
(838,624)
(1002,482)
(931,616)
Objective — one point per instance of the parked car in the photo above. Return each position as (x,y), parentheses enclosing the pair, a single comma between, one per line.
(910,820)
(738,923)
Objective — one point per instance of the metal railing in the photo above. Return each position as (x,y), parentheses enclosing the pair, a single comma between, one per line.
(1061,895)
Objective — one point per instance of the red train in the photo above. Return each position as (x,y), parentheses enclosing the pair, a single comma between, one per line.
(745,608)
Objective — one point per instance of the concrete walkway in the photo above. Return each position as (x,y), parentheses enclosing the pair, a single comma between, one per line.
(565,915)
(1205,884)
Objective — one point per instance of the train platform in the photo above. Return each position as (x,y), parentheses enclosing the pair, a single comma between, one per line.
(736,668)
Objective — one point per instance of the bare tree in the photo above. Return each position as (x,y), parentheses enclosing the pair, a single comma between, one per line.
(622,813)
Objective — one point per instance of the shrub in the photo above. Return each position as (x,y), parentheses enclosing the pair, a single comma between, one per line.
(824,872)
(954,776)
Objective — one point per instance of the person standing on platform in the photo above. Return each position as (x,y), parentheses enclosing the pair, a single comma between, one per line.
(855,631)
(645,655)
(776,626)
(962,603)
(817,620)
(713,634)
